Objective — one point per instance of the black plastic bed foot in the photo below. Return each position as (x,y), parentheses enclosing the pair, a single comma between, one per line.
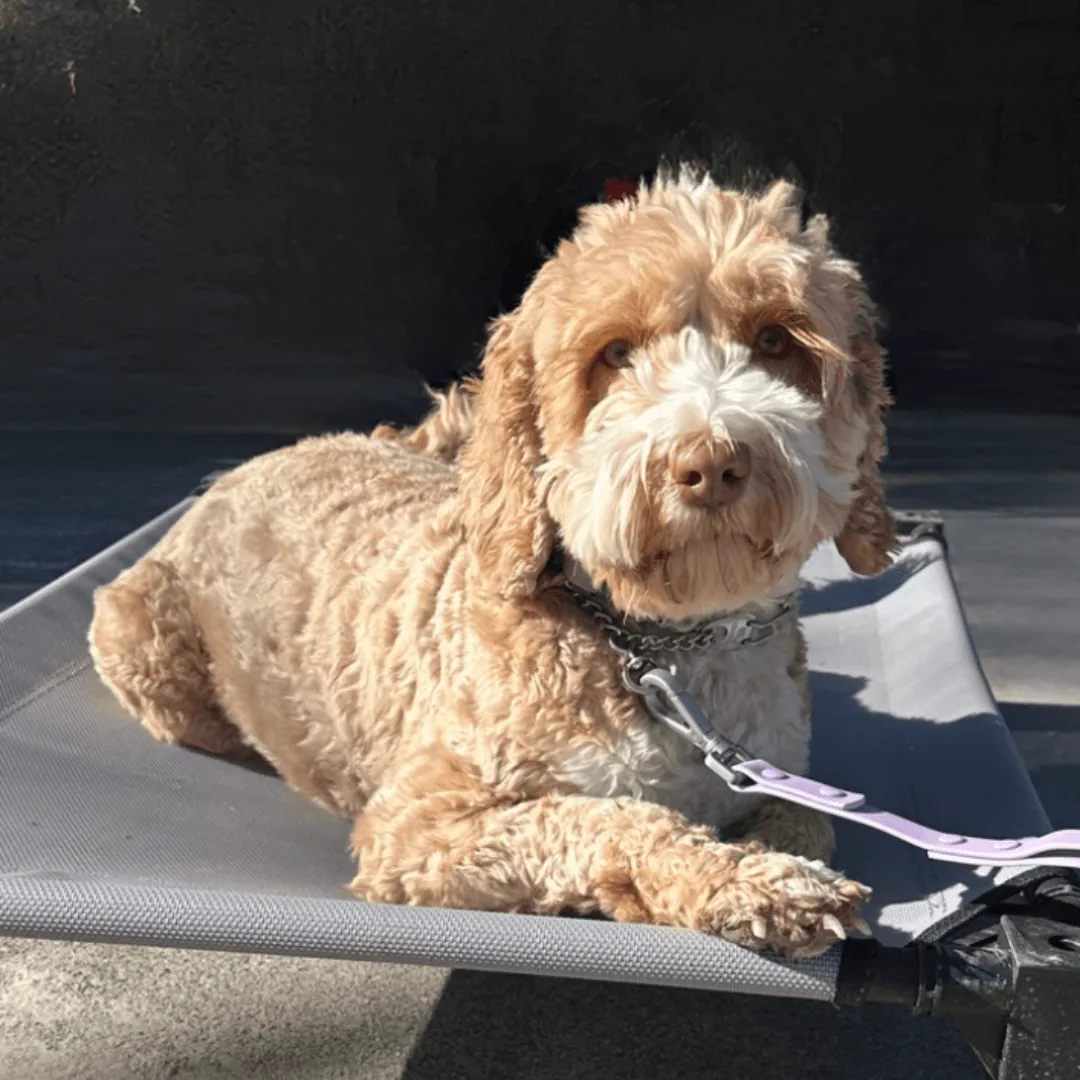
(1012,988)
(1018,1001)
(1042,1032)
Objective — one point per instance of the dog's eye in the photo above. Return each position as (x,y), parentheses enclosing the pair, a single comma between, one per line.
(773,341)
(616,353)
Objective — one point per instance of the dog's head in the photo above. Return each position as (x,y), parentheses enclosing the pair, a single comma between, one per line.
(690,395)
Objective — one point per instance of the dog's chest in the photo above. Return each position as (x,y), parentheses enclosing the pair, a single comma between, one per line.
(748,695)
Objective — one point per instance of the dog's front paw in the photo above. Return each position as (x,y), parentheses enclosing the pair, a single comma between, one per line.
(797,906)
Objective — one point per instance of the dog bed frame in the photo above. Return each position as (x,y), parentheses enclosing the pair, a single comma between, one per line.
(109,836)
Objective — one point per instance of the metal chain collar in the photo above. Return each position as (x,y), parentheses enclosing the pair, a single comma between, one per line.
(726,631)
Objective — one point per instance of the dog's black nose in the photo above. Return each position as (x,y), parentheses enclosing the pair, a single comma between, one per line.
(708,473)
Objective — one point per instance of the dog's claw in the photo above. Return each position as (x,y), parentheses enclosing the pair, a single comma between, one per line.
(759,929)
(860,924)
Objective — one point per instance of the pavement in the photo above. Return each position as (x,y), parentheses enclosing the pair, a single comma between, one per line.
(1009,488)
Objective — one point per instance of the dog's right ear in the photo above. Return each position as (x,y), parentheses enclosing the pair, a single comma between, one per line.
(509,533)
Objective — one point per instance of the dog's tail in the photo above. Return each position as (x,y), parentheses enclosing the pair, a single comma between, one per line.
(446,428)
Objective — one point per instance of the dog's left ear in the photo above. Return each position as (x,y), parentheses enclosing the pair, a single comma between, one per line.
(509,533)
(867,540)
(856,390)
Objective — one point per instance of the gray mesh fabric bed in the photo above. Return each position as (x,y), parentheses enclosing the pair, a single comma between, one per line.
(106,835)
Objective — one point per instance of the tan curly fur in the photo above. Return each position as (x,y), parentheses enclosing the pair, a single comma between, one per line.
(442,433)
(375,616)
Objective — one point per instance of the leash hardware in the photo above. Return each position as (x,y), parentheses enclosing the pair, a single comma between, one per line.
(668,703)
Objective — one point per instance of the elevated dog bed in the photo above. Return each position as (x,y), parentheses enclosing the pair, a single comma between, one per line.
(107,835)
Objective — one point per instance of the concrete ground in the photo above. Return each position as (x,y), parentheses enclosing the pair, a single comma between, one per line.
(1010,491)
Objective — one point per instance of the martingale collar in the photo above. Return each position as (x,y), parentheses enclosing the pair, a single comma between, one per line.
(649,637)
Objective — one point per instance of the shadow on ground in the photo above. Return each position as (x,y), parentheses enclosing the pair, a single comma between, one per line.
(559,1030)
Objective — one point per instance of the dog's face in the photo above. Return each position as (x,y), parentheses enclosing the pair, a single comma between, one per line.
(691,397)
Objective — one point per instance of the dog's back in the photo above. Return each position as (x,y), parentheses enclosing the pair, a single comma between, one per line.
(239,629)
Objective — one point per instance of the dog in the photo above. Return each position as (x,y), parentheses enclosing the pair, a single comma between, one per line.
(415,628)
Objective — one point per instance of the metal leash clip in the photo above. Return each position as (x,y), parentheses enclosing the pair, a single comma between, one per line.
(668,702)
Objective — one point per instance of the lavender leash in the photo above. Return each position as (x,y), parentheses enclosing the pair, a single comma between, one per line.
(669,703)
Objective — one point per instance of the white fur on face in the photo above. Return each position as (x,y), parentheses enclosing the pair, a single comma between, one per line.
(611,495)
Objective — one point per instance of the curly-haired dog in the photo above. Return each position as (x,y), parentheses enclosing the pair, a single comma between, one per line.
(687,401)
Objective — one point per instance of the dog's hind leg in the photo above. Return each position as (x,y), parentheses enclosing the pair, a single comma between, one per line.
(148,650)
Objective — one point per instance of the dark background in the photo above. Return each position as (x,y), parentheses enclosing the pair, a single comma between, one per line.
(276,214)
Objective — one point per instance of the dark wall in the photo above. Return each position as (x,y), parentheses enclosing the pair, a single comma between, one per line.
(269,213)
